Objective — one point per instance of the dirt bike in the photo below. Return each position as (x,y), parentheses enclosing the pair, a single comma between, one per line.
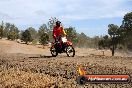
(62,45)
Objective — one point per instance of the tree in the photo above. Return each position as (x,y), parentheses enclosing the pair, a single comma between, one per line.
(43,29)
(13,32)
(95,41)
(105,42)
(82,40)
(113,32)
(43,34)
(1,30)
(72,35)
(51,24)
(44,38)
(33,33)
(6,29)
(26,36)
(126,30)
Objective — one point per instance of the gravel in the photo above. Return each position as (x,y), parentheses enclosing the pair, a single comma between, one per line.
(61,71)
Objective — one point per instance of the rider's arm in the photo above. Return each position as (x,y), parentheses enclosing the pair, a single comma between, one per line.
(54,33)
(63,31)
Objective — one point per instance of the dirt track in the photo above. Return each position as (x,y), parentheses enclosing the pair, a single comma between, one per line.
(29,66)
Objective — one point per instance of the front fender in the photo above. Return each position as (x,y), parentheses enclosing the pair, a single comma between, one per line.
(69,43)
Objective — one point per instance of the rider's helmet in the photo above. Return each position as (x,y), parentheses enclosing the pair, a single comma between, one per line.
(58,23)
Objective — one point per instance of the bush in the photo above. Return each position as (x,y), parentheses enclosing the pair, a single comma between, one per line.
(26,36)
(44,38)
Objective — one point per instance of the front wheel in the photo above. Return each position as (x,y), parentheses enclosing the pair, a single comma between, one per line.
(70,51)
(53,51)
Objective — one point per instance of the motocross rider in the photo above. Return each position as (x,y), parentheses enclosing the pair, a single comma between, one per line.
(58,32)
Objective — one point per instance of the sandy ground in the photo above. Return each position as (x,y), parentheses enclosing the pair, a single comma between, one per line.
(32,66)
(14,47)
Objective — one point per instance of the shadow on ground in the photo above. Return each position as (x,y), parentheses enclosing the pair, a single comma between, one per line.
(41,56)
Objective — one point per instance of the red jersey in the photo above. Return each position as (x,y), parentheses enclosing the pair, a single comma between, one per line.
(57,31)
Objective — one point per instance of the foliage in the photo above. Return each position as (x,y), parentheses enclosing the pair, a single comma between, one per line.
(116,35)
(26,36)
(43,33)
(82,40)
(33,33)
(52,23)
(34,42)
(42,29)
(119,35)
(71,35)
(44,38)
(126,30)
(13,32)
(113,32)
(105,42)
(6,29)
(1,31)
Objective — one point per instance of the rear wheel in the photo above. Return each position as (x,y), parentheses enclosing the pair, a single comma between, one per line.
(70,51)
(53,51)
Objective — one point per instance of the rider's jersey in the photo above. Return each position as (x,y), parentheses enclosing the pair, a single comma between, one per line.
(57,31)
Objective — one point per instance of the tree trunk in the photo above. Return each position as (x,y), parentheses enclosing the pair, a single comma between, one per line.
(113,50)
(113,46)
(26,42)
(43,47)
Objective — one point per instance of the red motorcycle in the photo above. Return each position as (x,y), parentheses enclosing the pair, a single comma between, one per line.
(62,45)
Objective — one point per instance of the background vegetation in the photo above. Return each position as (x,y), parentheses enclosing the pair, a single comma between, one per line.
(118,37)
